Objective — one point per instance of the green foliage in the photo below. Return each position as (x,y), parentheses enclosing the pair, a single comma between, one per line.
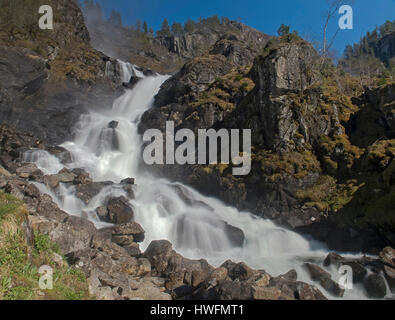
(19,262)
(176,28)
(165,30)
(8,204)
(189,26)
(361,58)
(283,30)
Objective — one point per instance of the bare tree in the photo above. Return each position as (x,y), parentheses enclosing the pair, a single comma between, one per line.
(333,9)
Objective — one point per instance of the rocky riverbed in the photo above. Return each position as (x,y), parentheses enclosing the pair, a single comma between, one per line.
(115,266)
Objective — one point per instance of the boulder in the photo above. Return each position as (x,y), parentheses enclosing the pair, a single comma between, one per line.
(113,124)
(51,181)
(66,176)
(235,235)
(324,279)
(238,271)
(132,229)
(288,68)
(49,209)
(375,286)
(102,212)
(87,191)
(357,266)
(61,153)
(128,181)
(233,290)
(119,211)
(27,170)
(264,293)
(82,177)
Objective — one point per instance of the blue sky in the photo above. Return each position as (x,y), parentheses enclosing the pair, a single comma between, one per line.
(305,16)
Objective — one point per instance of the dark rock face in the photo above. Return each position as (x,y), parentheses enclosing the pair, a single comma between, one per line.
(375,286)
(385,49)
(38,94)
(167,53)
(275,122)
(289,68)
(377,104)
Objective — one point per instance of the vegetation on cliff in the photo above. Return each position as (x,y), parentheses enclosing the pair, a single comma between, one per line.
(22,254)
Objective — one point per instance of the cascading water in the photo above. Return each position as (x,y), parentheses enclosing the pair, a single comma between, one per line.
(108,146)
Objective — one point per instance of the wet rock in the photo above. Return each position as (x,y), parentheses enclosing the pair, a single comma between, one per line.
(333,259)
(358,268)
(87,191)
(305,291)
(61,153)
(130,229)
(119,211)
(291,275)
(51,181)
(127,181)
(375,286)
(102,212)
(235,235)
(132,83)
(113,124)
(324,278)
(49,209)
(27,170)
(82,177)
(66,176)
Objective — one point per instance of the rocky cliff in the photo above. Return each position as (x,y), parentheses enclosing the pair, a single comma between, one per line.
(49,77)
(307,118)
(168,53)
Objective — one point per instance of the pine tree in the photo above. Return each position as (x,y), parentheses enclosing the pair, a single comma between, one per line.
(176,28)
(145,27)
(189,26)
(165,30)
(283,30)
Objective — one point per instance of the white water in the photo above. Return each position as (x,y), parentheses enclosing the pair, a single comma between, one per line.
(195,227)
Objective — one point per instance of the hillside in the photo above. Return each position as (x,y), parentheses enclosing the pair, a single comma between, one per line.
(170,48)
(373,56)
(76,195)
(51,75)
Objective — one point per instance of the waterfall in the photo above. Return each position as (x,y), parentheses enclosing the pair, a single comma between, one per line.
(169,210)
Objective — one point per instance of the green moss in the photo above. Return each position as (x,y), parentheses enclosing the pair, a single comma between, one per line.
(328,195)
